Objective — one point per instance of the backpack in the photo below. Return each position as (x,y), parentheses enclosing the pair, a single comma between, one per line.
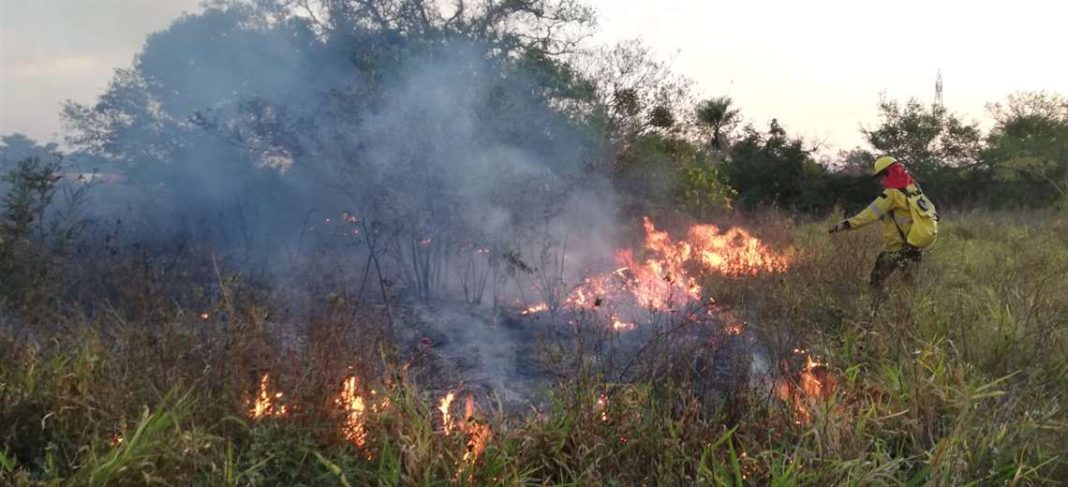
(924,229)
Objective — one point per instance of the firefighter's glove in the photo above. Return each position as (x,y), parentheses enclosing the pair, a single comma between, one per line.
(840,227)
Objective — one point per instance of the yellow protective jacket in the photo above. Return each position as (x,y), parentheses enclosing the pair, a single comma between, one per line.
(892,208)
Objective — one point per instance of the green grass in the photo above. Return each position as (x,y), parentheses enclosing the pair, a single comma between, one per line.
(957,378)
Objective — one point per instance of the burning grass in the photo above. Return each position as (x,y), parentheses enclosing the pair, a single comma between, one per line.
(266,404)
(956,378)
(662,275)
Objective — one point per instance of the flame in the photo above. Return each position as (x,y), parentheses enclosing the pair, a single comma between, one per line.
(204,316)
(590,291)
(810,384)
(661,281)
(665,276)
(264,404)
(352,404)
(380,406)
(735,252)
(537,308)
(813,383)
(478,433)
(733,329)
(602,406)
(619,325)
(443,406)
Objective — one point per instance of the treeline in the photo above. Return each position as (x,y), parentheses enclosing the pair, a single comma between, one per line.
(663,148)
(1021,162)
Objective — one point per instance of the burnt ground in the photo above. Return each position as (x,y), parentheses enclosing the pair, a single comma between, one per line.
(501,357)
(464,348)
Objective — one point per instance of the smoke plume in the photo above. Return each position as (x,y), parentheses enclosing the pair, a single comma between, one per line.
(441,156)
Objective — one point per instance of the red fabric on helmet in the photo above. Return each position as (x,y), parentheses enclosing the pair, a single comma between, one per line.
(897,177)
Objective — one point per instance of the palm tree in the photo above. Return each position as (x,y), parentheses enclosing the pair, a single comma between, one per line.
(717,115)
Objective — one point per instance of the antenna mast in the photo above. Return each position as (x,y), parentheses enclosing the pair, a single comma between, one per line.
(938,104)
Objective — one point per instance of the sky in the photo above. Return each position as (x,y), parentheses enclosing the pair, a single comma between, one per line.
(818,66)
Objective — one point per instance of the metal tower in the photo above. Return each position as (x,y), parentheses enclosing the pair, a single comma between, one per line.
(938,104)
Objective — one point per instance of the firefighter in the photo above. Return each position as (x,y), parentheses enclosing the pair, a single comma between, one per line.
(909,220)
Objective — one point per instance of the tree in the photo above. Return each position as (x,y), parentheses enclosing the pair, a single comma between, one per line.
(926,138)
(439,131)
(554,27)
(775,169)
(937,147)
(35,232)
(15,148)
(702,189)
(635,94)
(718,117)
(1028,148)
(854,162)
(663,174)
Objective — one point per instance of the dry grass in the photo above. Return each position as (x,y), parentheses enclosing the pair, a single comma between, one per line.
(957,378)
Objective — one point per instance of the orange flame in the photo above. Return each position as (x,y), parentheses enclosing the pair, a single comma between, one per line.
(735,252)
(590,290)
(443,406)
(264,404)
(810,384)
(602,406)
(666,276)
(619,325)
(814,383)
(378,407)
(537,308)
(478,433)
(352,404)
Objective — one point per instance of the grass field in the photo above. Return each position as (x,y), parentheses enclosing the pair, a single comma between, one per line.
(959,377)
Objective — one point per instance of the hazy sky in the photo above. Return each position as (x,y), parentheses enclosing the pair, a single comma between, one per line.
(818,66)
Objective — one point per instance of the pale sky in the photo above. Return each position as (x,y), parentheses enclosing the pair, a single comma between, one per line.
(818,66)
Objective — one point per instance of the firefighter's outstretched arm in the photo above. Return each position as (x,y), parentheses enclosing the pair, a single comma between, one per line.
(874,212)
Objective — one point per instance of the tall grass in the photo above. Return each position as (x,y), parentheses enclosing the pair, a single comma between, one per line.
(958,377)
